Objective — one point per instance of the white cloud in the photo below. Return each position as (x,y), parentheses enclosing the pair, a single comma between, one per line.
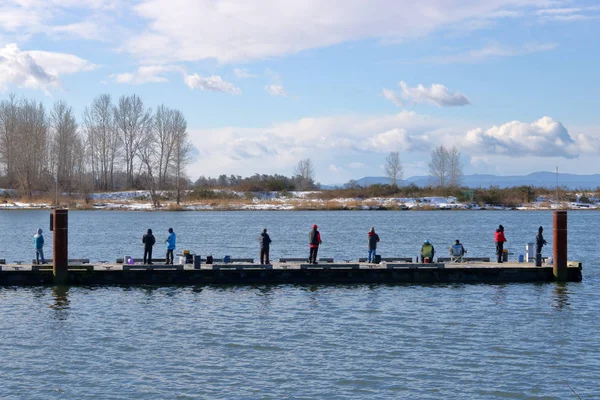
(567,14)
(276,90)
(392,96)
(213,83)
(542,138)
(37,69)
(243,74)
(66,19)
(437,94)
(336,140)
(144,74)
(490,51)
(238,30)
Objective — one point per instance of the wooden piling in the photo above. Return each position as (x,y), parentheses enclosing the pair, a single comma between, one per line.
(60,245)
(560,246)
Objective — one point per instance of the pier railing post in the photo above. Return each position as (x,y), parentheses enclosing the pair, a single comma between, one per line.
(560,246)
(60,254)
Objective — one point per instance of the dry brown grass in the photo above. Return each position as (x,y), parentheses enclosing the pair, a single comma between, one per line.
(175,207)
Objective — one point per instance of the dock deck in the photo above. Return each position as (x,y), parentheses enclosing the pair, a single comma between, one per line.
(285,273)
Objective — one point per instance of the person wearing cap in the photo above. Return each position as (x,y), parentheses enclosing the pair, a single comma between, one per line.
(314,240)
(427,251)
(265,241)
(539,243)
(38,242)
(457,250)
(499,239)
(373,240)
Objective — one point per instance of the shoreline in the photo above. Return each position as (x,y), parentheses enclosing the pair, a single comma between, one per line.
(274,201)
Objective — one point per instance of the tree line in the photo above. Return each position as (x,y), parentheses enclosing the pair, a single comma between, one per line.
(114,146)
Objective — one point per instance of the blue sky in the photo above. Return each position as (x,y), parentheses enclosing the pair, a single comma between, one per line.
(263,84)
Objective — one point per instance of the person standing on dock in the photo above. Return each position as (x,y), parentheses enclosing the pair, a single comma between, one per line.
(148,240)
(314,240)
(427,251)
(539,243)
(265,242)
(170,246)
(499,239)
(373,240)
(38,241)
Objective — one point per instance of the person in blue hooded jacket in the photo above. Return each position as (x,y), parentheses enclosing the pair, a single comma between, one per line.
(170,246)
(38,242)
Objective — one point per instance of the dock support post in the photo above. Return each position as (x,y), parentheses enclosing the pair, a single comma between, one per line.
(560,246)
(60,246)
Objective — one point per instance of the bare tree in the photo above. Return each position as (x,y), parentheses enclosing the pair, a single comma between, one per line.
(102,140)
(65,141)
(148,155)
(132,120)
(182,150)
(31,140)
(165,126)
(393,168)
(305,172)
(439,167)
(9,110)
(455,167)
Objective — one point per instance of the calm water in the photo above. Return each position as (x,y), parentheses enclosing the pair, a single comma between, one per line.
(516,341)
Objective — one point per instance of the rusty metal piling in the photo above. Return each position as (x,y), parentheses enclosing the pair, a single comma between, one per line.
(560,246)
(60,225)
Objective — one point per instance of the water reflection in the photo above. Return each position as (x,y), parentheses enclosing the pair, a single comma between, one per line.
(560,298)
(61,302)
(499,296)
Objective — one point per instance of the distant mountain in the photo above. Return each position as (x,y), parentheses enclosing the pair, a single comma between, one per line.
(538,179)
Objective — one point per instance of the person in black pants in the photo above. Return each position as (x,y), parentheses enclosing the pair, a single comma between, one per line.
(314,240)
(148,240)
(265,242)
(500,240)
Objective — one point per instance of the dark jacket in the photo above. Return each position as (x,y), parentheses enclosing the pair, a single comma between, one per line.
(314,238)
(539,242)
(373,239)
(264,241)
(148,239)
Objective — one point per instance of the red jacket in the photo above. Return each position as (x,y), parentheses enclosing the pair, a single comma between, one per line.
(499,236)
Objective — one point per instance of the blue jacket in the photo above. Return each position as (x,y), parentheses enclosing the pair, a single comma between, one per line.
(38,241)
(171,241)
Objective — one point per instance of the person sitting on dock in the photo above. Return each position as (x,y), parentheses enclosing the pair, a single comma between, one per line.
(265,242)
(148,240)
(457,251)
(427,251)
(38,241)
(539,243)
(373,240)
(170,246)
(314,240)
(499,239)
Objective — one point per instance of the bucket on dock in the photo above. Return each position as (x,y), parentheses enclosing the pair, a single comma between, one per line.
(426,260)
(227,259)
(377,259)
(521,258)
(505,255)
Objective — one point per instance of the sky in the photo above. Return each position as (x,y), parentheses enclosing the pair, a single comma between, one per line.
(263,84)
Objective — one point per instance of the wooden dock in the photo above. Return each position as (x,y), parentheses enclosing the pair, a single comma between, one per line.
(285,273)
